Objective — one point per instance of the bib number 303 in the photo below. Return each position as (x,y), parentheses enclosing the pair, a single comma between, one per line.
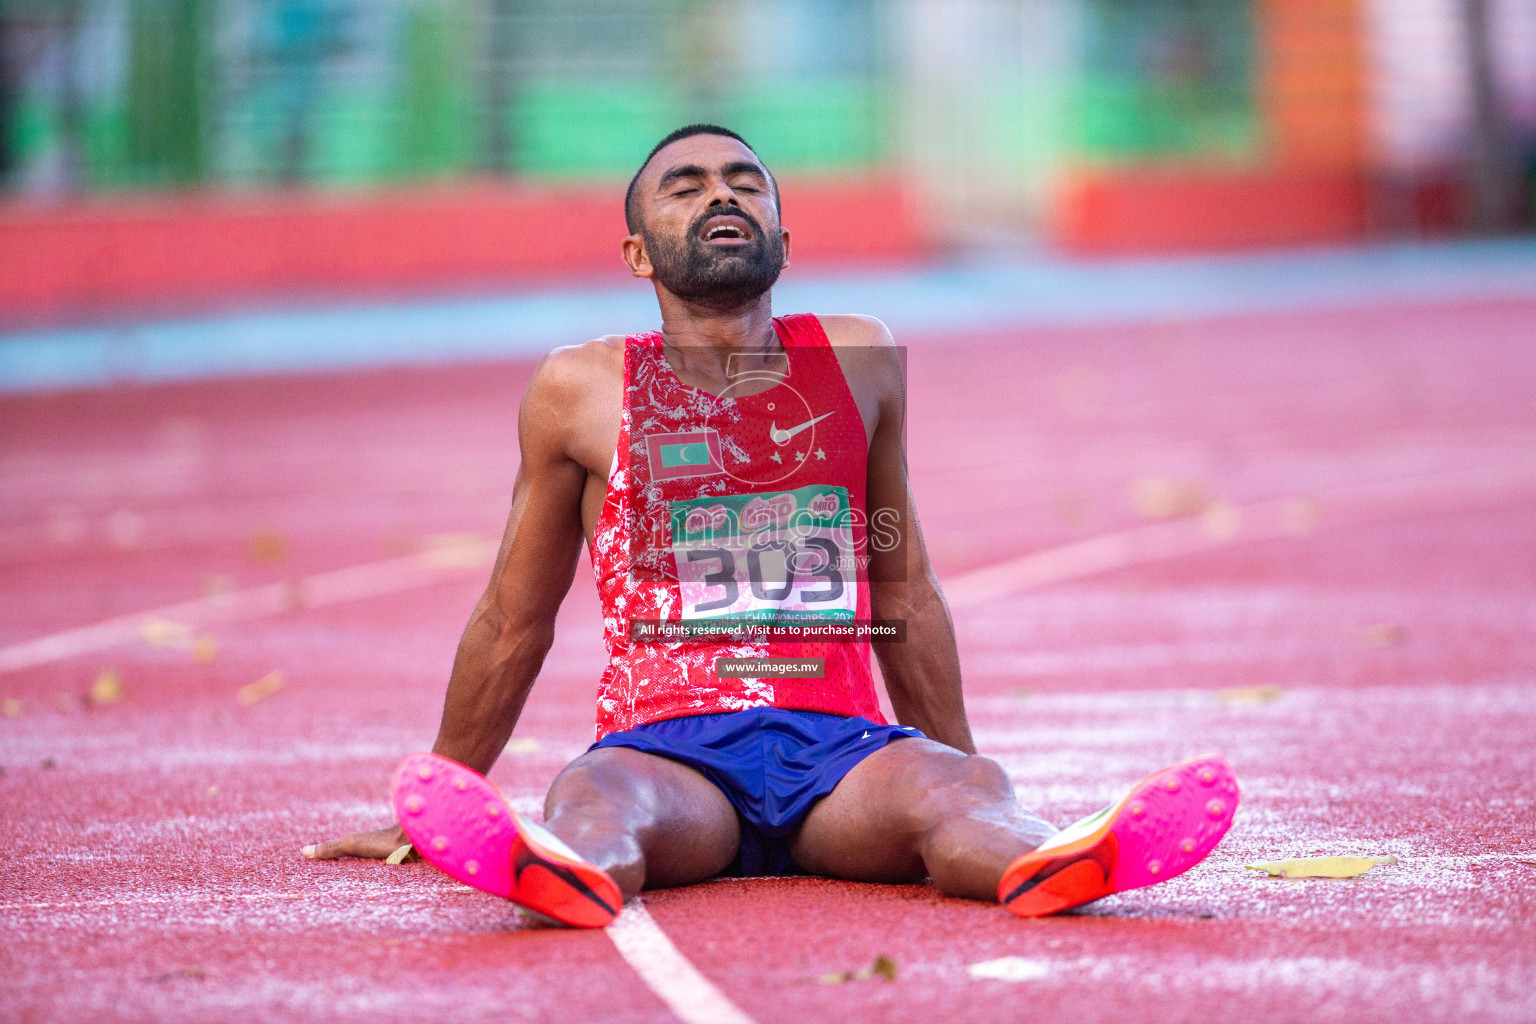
(785,556)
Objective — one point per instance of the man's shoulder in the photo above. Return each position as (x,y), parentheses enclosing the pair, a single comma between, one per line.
(587,355)
(855,329)
(581,366)
(572,377)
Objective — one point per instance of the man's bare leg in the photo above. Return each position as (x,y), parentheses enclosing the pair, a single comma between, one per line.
(918,808)
(648,821)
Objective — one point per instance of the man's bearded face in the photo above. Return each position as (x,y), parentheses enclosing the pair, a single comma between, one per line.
(724,260)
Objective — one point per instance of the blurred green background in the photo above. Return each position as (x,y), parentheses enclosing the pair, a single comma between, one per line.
(910,128)
(109,95)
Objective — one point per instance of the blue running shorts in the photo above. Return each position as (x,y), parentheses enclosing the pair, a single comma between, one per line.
(771,764)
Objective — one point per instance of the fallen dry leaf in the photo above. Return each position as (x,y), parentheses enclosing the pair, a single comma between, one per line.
(261,689)
(266,545)
(1162,497)
(205,648)
(523,745)
(1321,867)
(107,689)
(882,967)
(1009,968)
(401,855)
(1250,694)
(165,633)
(1379,635)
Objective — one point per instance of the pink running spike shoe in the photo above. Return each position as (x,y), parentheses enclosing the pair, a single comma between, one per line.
(1164,826)
(464,827)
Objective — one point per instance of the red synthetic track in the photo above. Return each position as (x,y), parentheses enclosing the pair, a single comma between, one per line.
(133,889)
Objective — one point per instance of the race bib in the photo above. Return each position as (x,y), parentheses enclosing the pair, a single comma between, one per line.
(776,558)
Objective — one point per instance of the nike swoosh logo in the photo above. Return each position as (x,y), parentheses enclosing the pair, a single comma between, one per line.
(783,436)
(1052,867)
(526,859)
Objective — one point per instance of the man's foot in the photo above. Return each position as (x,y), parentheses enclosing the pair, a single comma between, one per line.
(1164,826)
(464,827)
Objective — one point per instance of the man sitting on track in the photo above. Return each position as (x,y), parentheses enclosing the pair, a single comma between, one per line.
(735,468)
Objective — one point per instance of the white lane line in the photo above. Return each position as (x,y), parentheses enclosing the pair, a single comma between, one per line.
(636,935)
(674,979)
(134,901)
(1222,525)
(371,579)
(642,943)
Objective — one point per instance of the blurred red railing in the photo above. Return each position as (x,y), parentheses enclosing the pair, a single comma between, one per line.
(170,253)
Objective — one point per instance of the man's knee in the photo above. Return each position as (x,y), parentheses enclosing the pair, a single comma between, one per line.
(598,785)
(957,786)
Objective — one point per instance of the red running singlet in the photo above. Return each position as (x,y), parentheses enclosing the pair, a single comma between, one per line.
(742,507)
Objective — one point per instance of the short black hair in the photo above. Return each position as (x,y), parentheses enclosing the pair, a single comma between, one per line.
(632,215)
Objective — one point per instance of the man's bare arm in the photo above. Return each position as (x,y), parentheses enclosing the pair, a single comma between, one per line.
(513,624)
(922,675)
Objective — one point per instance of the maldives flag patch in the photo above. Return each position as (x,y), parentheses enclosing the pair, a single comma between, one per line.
(690,453)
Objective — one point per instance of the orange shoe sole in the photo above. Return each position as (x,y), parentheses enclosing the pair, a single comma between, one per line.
(1166,824)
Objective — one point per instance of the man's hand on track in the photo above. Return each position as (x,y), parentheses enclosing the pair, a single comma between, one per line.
(374,845)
